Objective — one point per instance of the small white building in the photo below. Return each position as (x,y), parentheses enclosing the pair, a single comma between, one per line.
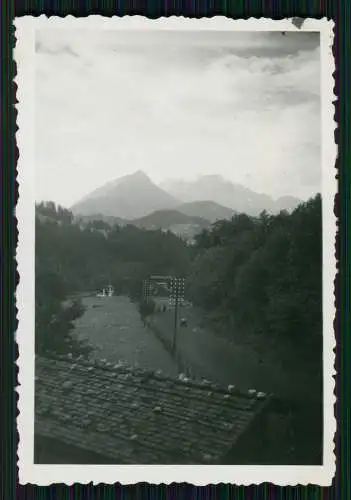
(107,291)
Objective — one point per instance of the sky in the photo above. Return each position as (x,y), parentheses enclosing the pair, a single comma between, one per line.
(245,105)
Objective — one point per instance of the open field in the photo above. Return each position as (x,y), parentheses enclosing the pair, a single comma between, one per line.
(113,328)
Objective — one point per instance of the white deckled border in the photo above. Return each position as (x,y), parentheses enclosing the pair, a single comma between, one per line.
(25,212)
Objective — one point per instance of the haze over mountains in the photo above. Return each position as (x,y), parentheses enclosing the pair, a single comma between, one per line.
(128,197)
(209,198)
(235,196)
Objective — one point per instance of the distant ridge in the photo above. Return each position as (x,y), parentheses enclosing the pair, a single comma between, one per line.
(164,219)
(207,209)
(210,197)
(128,197)
(183,225)
(287,203)
(234,196)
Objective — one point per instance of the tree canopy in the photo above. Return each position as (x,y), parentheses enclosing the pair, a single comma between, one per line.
(261,274)
(265,274)
(71,259)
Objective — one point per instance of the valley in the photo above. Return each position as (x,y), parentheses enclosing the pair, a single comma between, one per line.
(184,208)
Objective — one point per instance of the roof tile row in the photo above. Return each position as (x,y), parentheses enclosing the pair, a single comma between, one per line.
(137,416)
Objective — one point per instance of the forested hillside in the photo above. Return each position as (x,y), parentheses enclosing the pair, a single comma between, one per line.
(256,277)
(262,277)
(71,259)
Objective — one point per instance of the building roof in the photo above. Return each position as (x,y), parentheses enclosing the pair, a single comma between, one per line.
(137,416)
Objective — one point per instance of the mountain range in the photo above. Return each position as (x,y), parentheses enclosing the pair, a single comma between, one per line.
(226,193)
(159,219)
(136,199)
(128,197)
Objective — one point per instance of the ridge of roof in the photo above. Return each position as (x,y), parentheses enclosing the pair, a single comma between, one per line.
(133,415)
(103,365)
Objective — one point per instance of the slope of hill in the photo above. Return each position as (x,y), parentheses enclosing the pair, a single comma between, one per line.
(165,219)
(208,210)
(84,220)
(129,197)
(226,193)
(182,225)
(197,213)
(288,203)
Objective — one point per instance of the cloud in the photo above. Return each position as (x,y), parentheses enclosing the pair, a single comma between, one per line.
(176,106)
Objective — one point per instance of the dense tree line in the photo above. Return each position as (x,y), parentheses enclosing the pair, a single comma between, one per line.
(259,275)
(72,258)
(263,276)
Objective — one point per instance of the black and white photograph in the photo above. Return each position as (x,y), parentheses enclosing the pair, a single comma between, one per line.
(175,251)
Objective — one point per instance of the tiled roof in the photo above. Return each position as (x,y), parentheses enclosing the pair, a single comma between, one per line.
(135,416)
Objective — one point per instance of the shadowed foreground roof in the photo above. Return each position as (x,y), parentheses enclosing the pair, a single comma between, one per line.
(136,416)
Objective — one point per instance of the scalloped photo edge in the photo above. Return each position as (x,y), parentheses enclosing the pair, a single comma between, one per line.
(29,472)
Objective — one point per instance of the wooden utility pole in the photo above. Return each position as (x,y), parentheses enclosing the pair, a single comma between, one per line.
(146,290)
(177,297)
(176,314)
